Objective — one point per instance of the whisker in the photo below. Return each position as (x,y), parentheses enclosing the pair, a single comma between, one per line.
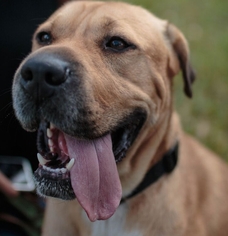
(6,107)
(5,91)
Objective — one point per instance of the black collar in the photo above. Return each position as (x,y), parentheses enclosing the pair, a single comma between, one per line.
(165,166)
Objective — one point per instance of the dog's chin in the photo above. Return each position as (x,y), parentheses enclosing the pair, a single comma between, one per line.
(53,176)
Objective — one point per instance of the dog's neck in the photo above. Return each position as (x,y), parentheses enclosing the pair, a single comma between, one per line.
(162,139)
(164,166)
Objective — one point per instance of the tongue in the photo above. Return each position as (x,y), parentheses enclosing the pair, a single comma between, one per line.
(94,176)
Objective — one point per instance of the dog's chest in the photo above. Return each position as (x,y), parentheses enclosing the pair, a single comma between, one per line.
(114,226)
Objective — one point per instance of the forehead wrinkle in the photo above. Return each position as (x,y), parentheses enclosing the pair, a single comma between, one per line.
(58,27)
(108,22)
(104,24)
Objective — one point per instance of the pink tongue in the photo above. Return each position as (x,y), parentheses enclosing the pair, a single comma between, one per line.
(94,176)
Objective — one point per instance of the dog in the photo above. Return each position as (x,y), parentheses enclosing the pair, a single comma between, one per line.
(113,159)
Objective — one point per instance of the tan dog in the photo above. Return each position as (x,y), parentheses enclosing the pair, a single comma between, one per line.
(98,87)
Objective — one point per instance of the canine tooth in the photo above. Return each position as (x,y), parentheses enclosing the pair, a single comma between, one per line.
(41,160)
(70,164)
(49,133)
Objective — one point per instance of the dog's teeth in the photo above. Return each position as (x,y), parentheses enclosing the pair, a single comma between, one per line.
(50,143)
(41,160)
(46,168)
(52,126)
(63,170)
(49,133)
(70,164)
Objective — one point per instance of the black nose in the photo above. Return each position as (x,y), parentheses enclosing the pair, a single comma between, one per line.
(42,75)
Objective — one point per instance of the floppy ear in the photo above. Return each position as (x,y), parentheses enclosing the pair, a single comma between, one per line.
(180,47)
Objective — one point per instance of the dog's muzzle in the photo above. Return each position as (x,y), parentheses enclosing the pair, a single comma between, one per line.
(76,158)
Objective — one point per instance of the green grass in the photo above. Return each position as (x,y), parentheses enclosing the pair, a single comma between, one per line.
(205,25)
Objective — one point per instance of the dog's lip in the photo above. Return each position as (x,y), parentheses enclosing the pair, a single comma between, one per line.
(126,132)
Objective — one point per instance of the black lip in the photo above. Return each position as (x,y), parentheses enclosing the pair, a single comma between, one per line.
(42,139)
(53,186)
(126,133)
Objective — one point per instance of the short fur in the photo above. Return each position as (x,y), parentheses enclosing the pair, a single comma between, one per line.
(192,200)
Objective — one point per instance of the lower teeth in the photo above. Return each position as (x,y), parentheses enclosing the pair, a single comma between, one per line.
(57,171)
(43,163)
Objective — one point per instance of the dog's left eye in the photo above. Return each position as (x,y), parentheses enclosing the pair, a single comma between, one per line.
(117,44)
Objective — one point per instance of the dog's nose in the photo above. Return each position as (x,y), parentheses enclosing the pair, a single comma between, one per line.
(41,76)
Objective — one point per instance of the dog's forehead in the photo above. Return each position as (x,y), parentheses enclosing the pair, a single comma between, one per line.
(95,17)
(83,10)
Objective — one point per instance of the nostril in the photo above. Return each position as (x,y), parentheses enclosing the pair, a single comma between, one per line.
(55,77)
(27,74)
(51,79)
(42,76)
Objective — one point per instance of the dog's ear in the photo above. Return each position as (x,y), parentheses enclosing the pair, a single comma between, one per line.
(180,48)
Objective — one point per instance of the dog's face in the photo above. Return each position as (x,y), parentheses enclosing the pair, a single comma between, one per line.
(99,73)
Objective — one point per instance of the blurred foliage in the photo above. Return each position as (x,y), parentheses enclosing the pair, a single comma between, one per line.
(204,23)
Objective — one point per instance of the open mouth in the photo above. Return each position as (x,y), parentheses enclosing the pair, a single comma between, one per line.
(54,163)
(73,168)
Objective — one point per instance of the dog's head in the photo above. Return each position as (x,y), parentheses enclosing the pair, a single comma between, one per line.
(98,76)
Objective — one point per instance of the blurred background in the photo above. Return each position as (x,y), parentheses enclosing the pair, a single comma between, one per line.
(205,25)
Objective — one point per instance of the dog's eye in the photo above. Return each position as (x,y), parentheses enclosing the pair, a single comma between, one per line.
(44,38)
(117,44)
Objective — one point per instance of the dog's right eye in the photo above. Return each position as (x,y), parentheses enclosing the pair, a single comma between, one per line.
(44,38)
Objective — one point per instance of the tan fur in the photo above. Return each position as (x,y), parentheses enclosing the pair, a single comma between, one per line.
(192,200)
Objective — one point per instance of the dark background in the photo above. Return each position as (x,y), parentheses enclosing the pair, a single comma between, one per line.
(18,21)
